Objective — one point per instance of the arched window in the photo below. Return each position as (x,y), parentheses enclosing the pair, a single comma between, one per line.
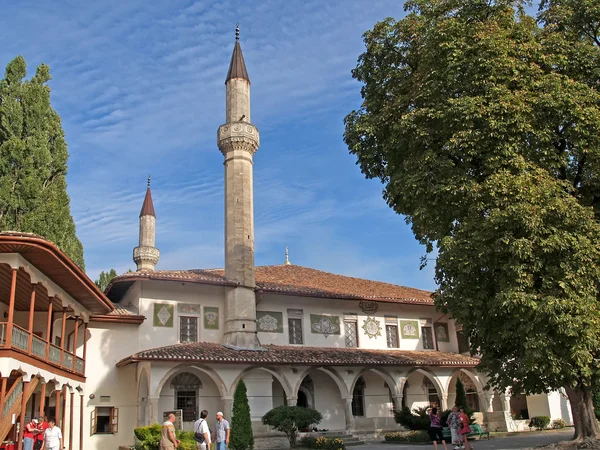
(358,398)
(432,393)
(186,386)
(404,394)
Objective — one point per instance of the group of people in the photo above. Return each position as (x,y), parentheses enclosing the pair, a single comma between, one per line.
(202,433)
(458,422)
(42,434)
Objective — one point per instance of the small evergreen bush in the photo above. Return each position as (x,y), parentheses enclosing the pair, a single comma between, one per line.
(241,437)
(558,424)
(539,422)
(290,419)
(323,442)
(149,438)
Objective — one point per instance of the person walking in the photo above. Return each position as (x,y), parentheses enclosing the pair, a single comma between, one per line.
(454,424)
(39,437)
(168,441)
(29,434)
(202,432)
(222,431)
(435,428)
(464,429)
(53,439)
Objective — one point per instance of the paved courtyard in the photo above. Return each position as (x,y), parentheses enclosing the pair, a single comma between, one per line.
(521,441)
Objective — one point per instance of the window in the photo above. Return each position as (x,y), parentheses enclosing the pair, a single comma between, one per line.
(432,394)
(358,398)
(391,333)
(188,329)
(295,325)
(427,334)
(351,332)
(186,401)
(295,330)
(105,420)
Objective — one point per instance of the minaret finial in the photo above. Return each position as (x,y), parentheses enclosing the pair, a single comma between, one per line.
(287,257)
(148,180)
(237,31)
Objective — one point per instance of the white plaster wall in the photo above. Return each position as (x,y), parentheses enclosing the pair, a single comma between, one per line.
(173,293)
(559,407)
(414,395)
(377,396)
(259,385)
(537,405)
(281,303)
(329,402)
(109,343)
(279,397)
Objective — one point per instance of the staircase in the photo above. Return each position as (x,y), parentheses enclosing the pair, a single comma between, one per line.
(12,404)
(349,439)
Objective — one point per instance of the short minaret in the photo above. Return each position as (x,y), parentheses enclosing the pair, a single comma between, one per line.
(146,255)
(238,140)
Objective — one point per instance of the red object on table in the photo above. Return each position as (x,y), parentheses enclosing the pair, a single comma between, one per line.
(8,447)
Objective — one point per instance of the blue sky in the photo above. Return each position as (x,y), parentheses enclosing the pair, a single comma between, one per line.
(140,88)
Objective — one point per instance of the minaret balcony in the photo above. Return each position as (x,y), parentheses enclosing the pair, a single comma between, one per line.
(238,136)
(146,254)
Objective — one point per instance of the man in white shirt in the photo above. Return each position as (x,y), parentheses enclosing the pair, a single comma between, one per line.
(53,439)
(201,427)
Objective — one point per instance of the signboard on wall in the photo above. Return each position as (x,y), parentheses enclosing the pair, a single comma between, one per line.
(178,415)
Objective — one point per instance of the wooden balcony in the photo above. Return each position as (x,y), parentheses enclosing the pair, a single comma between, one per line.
(28,344)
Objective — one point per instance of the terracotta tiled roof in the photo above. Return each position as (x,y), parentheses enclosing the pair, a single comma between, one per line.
(121,310)
(148,206)
(297,280)
(217,353)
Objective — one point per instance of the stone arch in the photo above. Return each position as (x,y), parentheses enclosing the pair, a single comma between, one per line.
(343,388)
(474,379)
(185,368)
(434,380)
(384,375)
(276,373)
(475,393)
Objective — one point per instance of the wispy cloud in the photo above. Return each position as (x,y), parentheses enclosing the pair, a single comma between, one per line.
(139,86)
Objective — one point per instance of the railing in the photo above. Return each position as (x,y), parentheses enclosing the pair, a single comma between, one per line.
(55,356)
(12,397)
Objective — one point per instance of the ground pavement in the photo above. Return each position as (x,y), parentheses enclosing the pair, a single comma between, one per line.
(520,441)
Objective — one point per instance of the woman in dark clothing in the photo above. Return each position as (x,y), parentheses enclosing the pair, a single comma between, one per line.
(435,428)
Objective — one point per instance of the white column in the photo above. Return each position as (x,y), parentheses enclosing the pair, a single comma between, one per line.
(349,415)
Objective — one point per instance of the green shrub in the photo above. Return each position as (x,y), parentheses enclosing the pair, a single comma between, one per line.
(241,437)
(290,419)
(415,420)
(539,422)
(149,438)
(558,424)
(407,436)
(323,442)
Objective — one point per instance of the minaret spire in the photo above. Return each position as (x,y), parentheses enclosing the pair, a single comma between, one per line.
(146,255)
(238,140)
(287,257)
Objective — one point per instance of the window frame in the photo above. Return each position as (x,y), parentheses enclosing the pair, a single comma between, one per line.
(113,420)
(181,328)
(183,410)
(354,323)
(395,327)
(432,343)
(290,335)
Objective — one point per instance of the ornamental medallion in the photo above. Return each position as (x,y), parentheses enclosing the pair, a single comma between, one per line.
(372,327)
(369,308)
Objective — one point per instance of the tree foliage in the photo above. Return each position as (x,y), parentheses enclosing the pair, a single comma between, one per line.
(33,161)
(241,437)
(483,123)
(104,279)
(290,419)
(461,395)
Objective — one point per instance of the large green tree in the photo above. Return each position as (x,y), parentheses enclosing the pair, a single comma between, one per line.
(33,161)
(483,123)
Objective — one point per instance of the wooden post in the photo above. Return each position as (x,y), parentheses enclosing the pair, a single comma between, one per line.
(80,421)
(31,316)
(49,329)
(57,407)
(63,411)
(84,345)
(75,344)
(71,422)
(43,400)
(22,418)
(2,395)
(62,336)
(11,308)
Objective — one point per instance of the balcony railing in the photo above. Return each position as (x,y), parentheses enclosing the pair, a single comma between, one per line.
(56,356)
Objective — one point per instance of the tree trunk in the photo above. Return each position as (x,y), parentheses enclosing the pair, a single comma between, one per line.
(584,418)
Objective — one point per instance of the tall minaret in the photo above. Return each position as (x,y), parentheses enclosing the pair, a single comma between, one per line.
(146,255)
(238,140)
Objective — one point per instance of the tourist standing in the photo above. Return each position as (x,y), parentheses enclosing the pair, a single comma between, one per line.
(454,424)
(29,434)
(168,441)
(202,432)
(222,431)
(53,439)
(435,428)
(41,428)
(464,428)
